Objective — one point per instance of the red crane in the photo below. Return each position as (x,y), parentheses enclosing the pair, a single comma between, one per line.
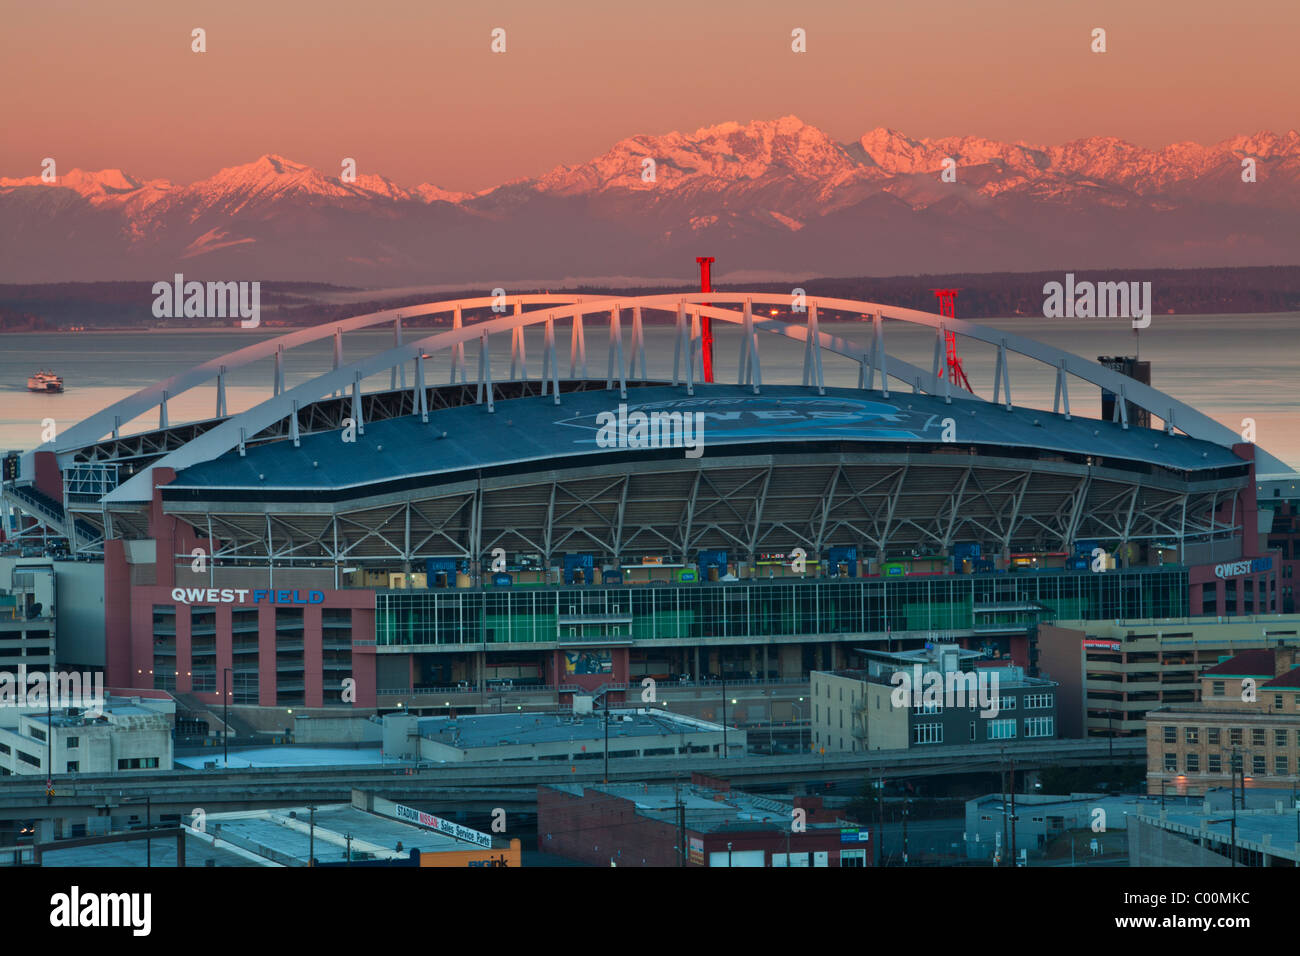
(948,309)
(706,324)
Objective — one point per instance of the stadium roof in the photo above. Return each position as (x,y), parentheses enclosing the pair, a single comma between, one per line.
(468,438)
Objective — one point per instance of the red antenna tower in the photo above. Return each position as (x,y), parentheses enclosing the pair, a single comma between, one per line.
(948,309)
(706,324)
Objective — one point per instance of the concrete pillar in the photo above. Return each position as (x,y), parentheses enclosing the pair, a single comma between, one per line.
(266,655)
(363,669)
(184,650)
(225,651)
(313,657)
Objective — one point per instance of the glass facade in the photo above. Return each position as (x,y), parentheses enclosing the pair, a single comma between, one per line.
(759,611)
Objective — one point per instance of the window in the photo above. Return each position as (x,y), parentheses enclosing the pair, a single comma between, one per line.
(1171,735)
(1212,736)
(38,734)
(972,730)
(1257,766)
(1038,701)
(1039,726)
(74,743)
(137,763)
(4,749)
(1277,702)
(1192,735)
(73,766)
(928,709)
(1234,736)
(927,734)
(1171,763)
(1218,688)
(1193,763)
(1002,729)
(1213,764)
(1257,736)
(1007,703)
(1279,739)
(1281,765)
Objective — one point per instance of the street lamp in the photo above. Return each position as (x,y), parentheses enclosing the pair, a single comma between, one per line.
(311,839)
(148,825)
(724,718)
(226,674)
(1232,820)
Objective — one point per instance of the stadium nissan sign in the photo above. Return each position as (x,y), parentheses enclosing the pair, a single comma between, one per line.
(240,596)
(420,818)
(1243,567)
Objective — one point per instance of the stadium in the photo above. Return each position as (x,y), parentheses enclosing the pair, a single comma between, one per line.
(462,531)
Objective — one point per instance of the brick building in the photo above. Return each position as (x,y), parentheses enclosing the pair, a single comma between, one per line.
(1247,725)
(649,825)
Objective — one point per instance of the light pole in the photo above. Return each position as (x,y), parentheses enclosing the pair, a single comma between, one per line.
(311,839)
(724,722)
(225,717)
(798,716)
(49,744)
(1232,820)
(148,826)
(905,803)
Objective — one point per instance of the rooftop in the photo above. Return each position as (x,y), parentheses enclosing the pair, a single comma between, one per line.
(468,437)
(491,730)
(1268,831)
(1252,663)
(285,834)
(708,810)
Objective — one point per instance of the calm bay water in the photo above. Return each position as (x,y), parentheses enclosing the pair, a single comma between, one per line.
(1230,367)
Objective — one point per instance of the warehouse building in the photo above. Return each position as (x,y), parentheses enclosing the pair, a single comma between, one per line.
(556,736)
(703,824)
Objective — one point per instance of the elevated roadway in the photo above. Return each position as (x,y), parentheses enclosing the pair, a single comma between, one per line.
(480,787)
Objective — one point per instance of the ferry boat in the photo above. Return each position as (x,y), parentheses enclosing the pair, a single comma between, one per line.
(45,382)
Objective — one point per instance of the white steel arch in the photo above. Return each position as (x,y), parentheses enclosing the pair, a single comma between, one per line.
(689,308)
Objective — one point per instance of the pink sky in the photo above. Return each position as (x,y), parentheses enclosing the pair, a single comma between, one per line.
(411,89)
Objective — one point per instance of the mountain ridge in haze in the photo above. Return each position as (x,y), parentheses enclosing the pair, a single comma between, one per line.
(777,195)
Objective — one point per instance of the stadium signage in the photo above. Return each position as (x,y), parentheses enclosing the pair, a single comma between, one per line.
(438,824)
(240,596)
(1236,568)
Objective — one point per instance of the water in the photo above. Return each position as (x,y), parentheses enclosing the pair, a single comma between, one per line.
(1231,367)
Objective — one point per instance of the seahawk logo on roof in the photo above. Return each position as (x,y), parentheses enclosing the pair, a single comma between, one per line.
(754,417)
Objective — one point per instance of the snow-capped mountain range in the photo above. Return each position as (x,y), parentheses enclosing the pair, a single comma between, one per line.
(778,196)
